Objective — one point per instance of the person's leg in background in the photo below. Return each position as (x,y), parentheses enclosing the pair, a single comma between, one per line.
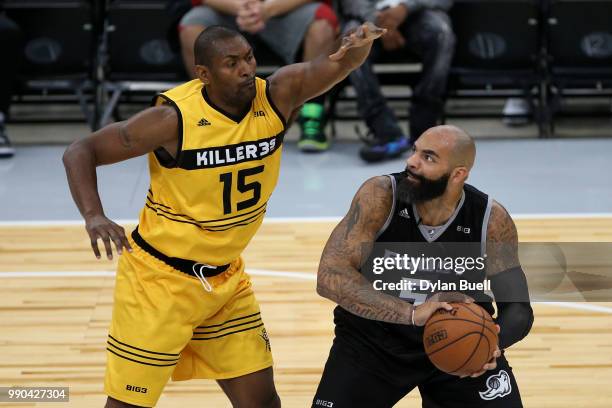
(319,38)
(517,112)
(193,23)
(10,49)
(429,34)
(385,137)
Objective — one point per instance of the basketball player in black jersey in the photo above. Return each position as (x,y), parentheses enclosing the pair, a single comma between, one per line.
(377,356)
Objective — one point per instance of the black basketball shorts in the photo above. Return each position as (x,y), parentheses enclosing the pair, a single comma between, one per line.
(353,378)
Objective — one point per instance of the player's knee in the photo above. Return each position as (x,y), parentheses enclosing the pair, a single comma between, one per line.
(188,35)
(262,400)
(325,23)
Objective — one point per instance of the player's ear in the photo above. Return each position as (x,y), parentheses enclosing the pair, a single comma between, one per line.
(203,73)
(460,174)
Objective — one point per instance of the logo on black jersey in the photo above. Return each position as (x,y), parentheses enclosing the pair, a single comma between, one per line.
(259,114)
(498,386)
(465,230)
(404,213)
(203,122)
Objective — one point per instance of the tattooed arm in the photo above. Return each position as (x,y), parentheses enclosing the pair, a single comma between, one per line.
(148,130)
(508,282)
(339,279)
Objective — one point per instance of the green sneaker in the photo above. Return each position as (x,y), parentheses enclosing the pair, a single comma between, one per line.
(312,123)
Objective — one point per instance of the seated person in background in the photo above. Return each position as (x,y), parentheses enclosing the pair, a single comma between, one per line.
(10,48)
(285,26)
(422,27)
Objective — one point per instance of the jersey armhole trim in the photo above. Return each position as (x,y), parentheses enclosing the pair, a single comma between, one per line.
(273,105)
(162,155)
(485,226)
(391,212)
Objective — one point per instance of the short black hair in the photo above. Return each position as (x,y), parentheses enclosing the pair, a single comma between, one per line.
(205,49)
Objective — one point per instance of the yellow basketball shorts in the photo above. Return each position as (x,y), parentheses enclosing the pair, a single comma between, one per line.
(165,324)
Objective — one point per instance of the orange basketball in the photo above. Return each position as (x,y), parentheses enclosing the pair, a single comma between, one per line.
(462,340)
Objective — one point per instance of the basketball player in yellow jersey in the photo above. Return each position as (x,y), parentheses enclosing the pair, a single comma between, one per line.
(183,305)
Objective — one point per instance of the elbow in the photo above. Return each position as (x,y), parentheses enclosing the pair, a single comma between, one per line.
(323,288)
(68,155)
(75,150)
(71,152)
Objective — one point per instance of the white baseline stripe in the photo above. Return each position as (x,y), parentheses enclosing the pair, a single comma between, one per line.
(275,220)
(261,272)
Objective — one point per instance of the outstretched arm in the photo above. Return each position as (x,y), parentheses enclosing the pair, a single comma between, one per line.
(295,84)
(339,278)
(153,128)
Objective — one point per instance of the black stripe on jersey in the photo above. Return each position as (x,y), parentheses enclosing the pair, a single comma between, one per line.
(229,321)
(156,211)
(165,209)
(237,223)
(162,213)
(146,351)
(140,362)
(208,221)
(229,327)
(150,198)
(230,155)
(139,355)
(227,334)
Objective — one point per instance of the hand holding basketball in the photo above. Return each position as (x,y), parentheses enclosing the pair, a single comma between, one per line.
(463,341)
(491,364)
(423,312)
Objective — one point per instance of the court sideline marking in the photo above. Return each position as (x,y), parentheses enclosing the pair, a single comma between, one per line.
(260,272)
(275,220)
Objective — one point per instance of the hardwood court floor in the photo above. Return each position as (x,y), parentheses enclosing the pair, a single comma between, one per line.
(53,329)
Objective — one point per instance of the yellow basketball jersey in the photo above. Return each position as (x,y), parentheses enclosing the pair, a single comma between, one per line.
(207,204)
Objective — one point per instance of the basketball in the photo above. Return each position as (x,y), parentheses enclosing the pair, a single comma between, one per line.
(462,340)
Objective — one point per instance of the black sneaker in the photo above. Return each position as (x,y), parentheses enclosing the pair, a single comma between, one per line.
(6,149)
(377,150)
(312,124)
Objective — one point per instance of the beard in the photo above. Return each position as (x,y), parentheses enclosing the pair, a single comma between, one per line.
(422,190)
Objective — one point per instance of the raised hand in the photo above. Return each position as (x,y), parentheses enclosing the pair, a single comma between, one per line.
(362,36)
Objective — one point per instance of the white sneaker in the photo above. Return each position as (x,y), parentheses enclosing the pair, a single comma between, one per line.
(519,108)
(6,149)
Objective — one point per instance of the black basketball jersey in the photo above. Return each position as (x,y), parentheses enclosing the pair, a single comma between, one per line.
(465,231)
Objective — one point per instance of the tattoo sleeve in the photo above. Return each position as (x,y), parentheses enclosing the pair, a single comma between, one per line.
(502,241)
(339,278)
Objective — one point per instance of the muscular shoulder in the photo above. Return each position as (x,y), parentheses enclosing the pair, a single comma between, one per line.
(151,128)
(375,199)
(284,84)
(502,241)
(501,227)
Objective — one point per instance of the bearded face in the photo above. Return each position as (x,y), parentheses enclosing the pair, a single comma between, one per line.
(415,188)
